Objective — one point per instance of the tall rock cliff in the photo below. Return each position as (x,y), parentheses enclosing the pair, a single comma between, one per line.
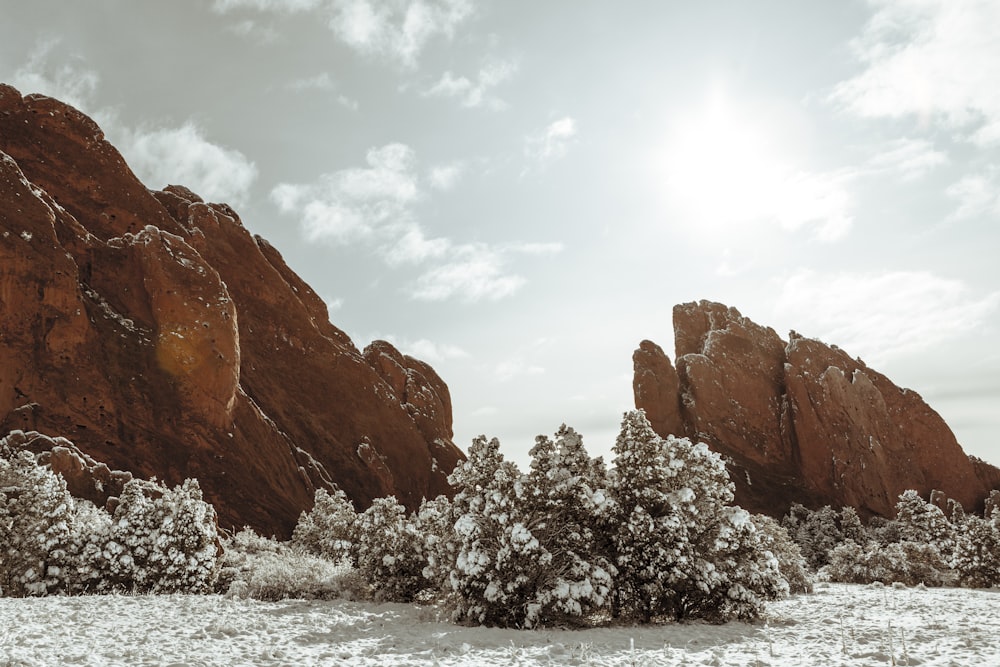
(799,421)
(154,332)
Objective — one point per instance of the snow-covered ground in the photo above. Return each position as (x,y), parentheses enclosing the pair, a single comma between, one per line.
(839,625)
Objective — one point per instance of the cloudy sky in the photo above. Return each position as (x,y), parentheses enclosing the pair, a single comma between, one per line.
(519,192)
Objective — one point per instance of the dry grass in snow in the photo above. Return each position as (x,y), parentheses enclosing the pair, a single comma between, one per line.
(840,625)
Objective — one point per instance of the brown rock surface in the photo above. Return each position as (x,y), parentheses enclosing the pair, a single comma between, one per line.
(800,421)
(154,332)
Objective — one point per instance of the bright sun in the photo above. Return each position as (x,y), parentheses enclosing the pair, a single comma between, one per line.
(720,170)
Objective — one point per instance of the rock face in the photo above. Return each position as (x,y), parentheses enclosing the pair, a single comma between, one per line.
(154,332)
(800,421)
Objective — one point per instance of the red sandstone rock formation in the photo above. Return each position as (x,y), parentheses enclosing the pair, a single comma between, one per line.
(154,332)
(800,421)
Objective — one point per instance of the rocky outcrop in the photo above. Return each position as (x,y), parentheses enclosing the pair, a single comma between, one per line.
(158,335)
(800,421)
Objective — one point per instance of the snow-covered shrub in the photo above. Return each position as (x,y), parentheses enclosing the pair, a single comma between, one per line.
(883,531)
(815,531)
(851,527)
(681,549)
(264,569)
(90,567)
(389,551)
(434,522)
(923,523)
(909,563)
(488,582)
(530,549)
(163,540)
(37,524)
(791,563)
(565,506)
(977,552)
(328,528)
(158,539)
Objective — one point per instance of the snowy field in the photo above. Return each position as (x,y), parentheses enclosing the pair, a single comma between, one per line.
(839,625)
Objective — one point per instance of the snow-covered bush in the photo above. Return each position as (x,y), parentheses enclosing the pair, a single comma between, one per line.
(530,549)
(492,580)
(90,571)
(37,522)
(882,530)
(389,551)
(158,539)
(681,549)
(816,532)
(434,522)
(977,552)
(851,527)
(924,523)
(264,569)
(565,507)
(909,563)
(163,540)
(328,528)
(791,563)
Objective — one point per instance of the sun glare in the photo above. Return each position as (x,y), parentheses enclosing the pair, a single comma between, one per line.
(719,168)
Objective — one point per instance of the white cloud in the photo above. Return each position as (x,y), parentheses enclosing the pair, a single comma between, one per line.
(374,206)
(909,159)
(553,142)
(412,247)
(444,177)
(880,315)
(473,272)
(184,156)
(931,59)
(356,203)
(423,349)
(69,82)
(475,93)
(427,350)
(252,30)
(508,370)
(977,195)
(321,81)
(286,6)
(396,29)
(820,201)
(334,304)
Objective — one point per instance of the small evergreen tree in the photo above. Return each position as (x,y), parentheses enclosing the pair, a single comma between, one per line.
(851,527)
(923,523)
(775,538)
(977,552)
(328,529)
(681,549)
(492,546)
(163,540)
(564,501)
(435,524)
(389,551)
(815,531)
(37,515)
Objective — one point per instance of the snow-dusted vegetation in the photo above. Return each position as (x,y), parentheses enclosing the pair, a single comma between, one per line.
(570,562)
(922,545)
(156,539)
